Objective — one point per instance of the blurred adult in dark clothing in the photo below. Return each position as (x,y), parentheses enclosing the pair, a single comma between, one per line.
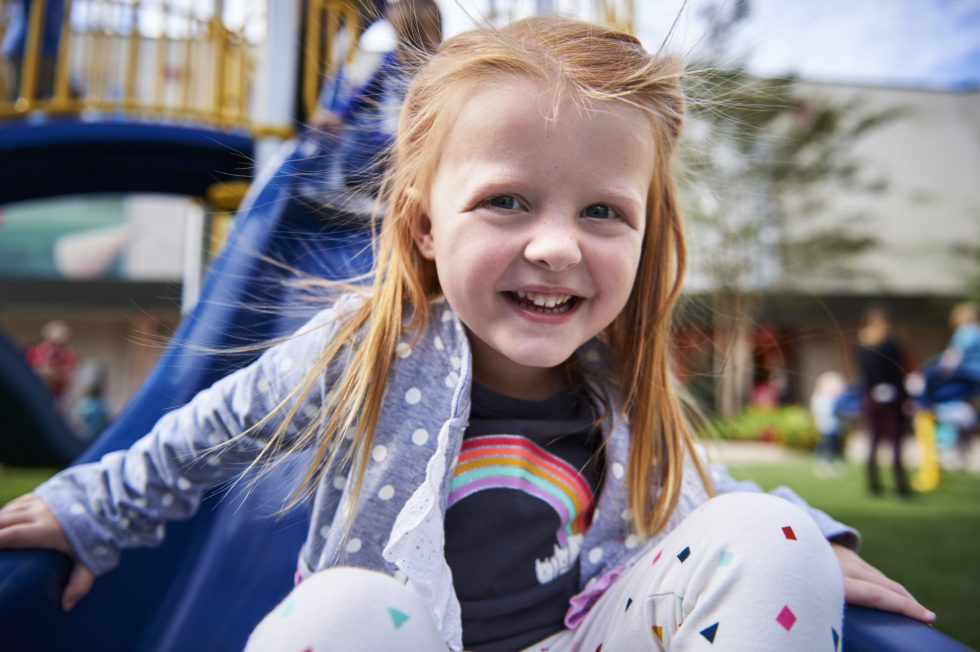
(880,360)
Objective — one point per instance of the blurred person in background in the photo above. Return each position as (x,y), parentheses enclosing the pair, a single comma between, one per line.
(361,123)
(880,362)
(824,406)
(956,374)
(54,360)
(90,414)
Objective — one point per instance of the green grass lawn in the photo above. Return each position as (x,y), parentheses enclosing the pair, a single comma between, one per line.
(17,481)
(930,543)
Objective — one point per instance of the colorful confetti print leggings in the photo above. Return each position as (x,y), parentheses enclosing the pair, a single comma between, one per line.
(743,572)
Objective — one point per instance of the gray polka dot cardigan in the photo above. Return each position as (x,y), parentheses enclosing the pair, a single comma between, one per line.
(124,500)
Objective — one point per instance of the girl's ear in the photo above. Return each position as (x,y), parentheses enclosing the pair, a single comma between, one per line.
(423,237)
(422,229)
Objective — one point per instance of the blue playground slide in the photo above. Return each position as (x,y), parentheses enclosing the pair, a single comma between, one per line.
(217,574)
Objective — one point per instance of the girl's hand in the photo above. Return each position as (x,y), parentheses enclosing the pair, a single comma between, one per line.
(27,522)
(866,586)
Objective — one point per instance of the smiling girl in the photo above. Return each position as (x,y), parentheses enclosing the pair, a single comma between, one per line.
(500,461)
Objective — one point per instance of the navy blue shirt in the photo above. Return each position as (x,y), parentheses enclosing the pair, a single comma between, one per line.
(522,497)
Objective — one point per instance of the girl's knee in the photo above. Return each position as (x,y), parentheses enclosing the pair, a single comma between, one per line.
(758,512)
(344,609)
(773,533)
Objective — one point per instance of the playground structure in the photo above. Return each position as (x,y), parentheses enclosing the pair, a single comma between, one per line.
(187,129)
(937,424)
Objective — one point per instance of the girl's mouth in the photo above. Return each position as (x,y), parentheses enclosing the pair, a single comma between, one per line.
(548,304)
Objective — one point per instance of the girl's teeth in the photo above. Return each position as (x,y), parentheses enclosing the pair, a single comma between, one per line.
(544,300)
(551,303)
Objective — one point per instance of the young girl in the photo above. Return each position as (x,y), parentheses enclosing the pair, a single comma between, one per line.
(499,459)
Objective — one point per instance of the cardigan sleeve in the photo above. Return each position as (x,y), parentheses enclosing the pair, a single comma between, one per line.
(124,500)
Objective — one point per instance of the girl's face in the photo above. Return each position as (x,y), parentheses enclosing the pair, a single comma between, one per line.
(535,221)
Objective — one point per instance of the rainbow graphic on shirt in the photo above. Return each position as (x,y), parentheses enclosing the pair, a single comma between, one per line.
(515,462)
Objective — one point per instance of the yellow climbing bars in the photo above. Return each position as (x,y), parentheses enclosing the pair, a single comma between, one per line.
(158,59)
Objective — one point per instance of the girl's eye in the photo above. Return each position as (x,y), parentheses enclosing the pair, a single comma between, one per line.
(599,212)
(505,202)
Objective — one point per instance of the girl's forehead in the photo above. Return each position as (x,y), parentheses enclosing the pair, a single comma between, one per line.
(520,134)
(499,101)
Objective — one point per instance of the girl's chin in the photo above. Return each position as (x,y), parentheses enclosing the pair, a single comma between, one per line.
(540,364)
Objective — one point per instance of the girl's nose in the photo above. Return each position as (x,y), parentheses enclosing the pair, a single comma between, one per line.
(554,244)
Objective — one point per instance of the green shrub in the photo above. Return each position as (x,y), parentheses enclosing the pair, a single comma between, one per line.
(789,425)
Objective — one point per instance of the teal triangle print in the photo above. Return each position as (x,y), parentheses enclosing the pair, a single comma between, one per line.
(397,617)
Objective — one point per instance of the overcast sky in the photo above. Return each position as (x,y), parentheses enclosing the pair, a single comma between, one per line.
(932,43)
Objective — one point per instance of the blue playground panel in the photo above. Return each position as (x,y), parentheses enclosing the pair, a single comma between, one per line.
(217,574)
(65,156)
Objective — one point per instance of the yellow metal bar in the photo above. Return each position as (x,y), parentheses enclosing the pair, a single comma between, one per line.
(98,64)
(30,63)
(162,61)
(132,62)
(218,35)
(353,22)
(275,131)
(245,73)
(311,78)
(61,100)
(185,91)
(325,64)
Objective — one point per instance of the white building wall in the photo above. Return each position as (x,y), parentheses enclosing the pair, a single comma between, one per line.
(930,159)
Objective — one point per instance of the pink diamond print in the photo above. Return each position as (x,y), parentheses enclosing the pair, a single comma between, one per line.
(657,558)
(788,533)
(786,618)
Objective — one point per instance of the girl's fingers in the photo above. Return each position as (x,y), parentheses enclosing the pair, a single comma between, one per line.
(19,504)
(866,586)
(79,584)
(27,522)
(870,594)
(865,571)
(18,535)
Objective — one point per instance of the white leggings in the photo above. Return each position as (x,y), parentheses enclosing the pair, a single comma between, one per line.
(745,571)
